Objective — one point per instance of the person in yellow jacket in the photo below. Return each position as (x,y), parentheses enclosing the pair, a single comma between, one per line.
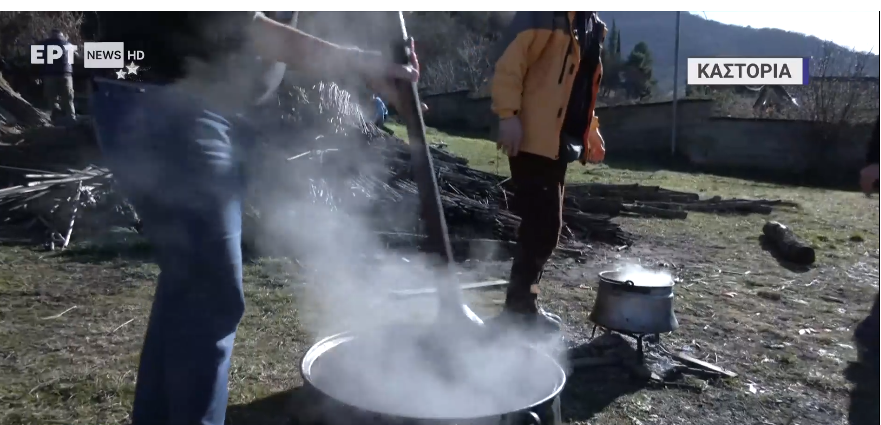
(543,91)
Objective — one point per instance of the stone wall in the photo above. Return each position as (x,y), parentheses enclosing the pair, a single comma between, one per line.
(642,132)
(459,111)
(784,147)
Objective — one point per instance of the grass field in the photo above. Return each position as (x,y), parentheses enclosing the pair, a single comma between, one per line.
(71,324)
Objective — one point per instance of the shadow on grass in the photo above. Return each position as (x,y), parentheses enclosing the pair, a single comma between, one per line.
(101,253)
(590,390)
(18,242)
(587,393)
(297,406)
(583,398)
(277,409)
(863,408)
(18,234)
(140,250)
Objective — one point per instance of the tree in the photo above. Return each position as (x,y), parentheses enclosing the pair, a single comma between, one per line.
(618,45)
(696,91)
(613,42)
(457,48)
(638,82)
(611,57)
(18,30)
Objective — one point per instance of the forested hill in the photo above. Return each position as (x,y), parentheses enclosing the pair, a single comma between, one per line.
(702,37)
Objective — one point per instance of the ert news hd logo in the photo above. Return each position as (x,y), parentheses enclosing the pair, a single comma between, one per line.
(107,55)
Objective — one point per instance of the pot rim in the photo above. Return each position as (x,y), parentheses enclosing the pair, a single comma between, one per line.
(605,276)
(327,343)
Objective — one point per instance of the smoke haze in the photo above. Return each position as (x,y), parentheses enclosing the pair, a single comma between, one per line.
(349,274)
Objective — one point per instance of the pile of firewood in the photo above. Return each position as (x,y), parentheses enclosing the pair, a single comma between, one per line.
(653,201)
(319,148)
(313,144)
(16,112)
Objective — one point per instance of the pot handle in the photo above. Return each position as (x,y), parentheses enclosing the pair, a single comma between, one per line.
(532,418)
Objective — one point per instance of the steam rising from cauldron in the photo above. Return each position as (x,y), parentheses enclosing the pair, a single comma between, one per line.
(348,271)
(349,274)
(395,372)
(636,273)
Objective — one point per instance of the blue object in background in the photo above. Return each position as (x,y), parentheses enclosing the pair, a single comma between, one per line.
(380,111)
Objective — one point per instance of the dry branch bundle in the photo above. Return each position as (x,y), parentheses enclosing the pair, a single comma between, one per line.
(313,145)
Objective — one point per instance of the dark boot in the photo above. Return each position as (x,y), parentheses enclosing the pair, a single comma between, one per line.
(538,201)
(522,313)
(863,374)
(866,337)
(540,322)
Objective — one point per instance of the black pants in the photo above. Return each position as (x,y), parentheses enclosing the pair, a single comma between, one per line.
(381,125)
(866,333)
(864,375)
(538,200)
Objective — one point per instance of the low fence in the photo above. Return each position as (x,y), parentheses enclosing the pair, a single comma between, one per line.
(786,149)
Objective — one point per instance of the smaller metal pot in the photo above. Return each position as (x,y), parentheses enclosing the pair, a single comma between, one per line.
(628,307)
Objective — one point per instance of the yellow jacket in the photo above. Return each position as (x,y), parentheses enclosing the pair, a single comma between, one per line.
(533,79)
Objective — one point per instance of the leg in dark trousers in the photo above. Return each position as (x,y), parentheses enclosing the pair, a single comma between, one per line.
(51,89)
(864,373)
(538,200)
(866,333)
(382,126)
(66,98)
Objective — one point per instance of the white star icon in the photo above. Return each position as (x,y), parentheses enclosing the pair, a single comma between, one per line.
(132,68)
(120,75)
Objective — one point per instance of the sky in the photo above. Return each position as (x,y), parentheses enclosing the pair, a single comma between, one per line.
(857,30)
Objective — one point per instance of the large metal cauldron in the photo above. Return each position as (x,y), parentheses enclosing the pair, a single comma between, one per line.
(633,307)
(542,408)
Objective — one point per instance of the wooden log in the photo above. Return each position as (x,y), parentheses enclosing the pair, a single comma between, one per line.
(787,244)
(476,203)
(598,206)
(24,113)
(742,207)
(768,202)
(629,192)
(685,358)
(715,206)
(656,212)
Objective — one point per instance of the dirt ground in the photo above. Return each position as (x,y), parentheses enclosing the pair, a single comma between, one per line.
(71,323)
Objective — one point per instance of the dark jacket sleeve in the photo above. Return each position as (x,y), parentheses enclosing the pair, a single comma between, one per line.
(872,154)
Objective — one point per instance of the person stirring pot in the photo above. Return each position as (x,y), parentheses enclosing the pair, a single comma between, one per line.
(173,148)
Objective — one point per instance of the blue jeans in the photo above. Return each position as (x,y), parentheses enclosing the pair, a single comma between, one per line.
(176,163)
